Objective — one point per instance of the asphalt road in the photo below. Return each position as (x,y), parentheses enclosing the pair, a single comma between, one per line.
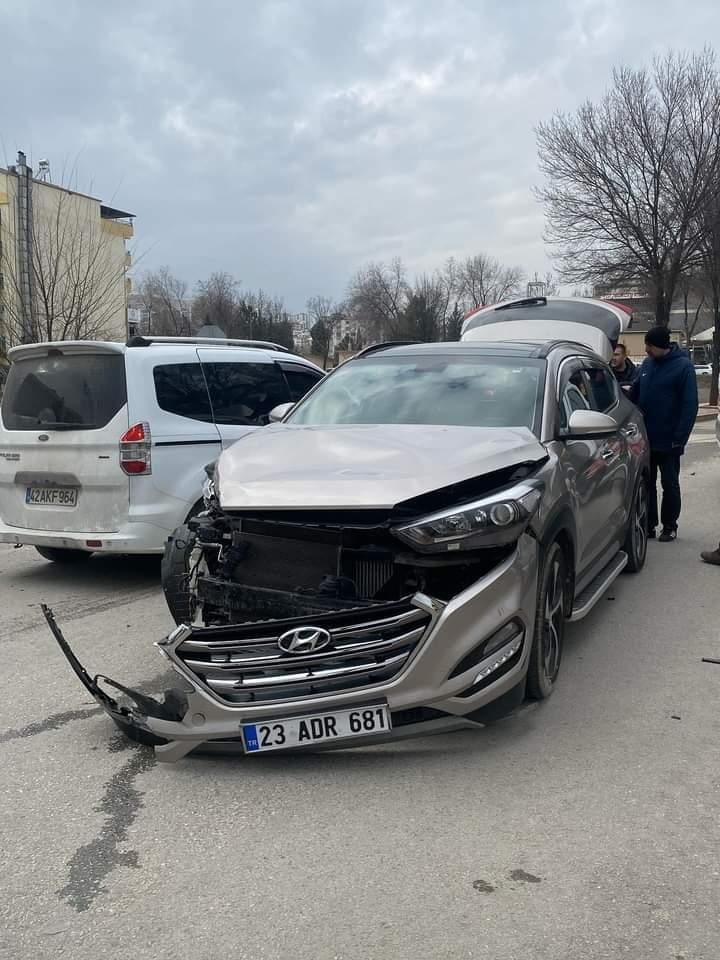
(586,827)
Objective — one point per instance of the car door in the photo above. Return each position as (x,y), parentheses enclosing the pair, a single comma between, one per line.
(243,390)
(587,465)
(616,475)
(166,387)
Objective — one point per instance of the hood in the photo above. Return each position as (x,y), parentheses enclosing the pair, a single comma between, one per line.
(285,467)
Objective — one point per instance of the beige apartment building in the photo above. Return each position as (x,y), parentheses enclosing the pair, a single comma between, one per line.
(63,261)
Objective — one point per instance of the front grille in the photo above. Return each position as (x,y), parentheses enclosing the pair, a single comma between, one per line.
(243,664)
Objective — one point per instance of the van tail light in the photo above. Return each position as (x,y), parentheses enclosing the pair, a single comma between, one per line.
(135,444)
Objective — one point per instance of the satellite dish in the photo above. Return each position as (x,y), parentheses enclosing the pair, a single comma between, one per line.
(210,330)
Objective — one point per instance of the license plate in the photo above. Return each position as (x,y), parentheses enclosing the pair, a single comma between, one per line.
(51,496)
(316,728)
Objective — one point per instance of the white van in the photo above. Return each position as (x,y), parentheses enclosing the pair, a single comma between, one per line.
(103,445)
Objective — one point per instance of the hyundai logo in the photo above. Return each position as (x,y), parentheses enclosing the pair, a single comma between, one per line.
(304,640)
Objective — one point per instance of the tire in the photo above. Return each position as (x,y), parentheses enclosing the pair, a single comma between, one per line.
(549,632)
(636,537)
(174,571)
(64,555)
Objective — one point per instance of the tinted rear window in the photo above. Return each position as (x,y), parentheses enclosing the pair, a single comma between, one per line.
(180,389)
(64,392)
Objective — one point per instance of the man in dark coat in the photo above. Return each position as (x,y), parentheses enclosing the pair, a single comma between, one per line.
(624,369)
(666,392)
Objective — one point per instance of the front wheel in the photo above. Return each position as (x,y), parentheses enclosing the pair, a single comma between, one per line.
(63,554)
(547,647)
(636,537)
(175,574)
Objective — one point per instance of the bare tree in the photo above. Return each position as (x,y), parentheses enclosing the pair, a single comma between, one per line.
(710,267)
(78,275)
(627,178)
(552,287)
(261,316)
(325,322)
(164,296)
(216,303)
(377,297)
(427,311)
(483,280)
(693,294)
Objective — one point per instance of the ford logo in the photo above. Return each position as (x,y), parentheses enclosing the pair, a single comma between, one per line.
(304,640)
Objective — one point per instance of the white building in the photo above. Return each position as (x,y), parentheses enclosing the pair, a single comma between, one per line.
(63,261)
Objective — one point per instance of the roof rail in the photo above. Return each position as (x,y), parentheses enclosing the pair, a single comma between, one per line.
(142,341)
(544,349)
(525,302)
(385,345)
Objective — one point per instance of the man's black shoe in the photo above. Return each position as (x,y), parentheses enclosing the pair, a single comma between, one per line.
(668,535)
(651,533)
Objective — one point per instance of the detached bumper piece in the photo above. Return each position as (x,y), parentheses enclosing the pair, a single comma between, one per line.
(130,721)
(230,669)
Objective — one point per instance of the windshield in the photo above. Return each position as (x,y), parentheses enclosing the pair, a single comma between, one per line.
(451,391)
(64,392)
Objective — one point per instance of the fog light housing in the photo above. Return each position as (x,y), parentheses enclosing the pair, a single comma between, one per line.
(498,659)
(485,653)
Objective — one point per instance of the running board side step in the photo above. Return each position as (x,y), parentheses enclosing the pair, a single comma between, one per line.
(585,601)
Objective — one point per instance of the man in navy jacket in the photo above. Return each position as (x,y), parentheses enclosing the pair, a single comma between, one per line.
(666,392)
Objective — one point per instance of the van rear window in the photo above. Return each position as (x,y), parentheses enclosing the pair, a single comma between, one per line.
(64,392)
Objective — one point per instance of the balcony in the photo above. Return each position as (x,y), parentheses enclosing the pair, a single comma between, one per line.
(117,222)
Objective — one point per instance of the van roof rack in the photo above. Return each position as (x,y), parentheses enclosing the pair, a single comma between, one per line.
(385,345)
(143,341)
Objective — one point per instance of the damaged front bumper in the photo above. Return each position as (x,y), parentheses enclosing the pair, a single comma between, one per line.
(452,675)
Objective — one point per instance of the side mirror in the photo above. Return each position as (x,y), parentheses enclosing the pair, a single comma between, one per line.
(280,412)
(590,423)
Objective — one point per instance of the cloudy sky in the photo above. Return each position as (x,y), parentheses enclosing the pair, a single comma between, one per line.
(290,141)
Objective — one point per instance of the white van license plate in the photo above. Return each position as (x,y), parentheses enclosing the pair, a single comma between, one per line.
(316,728)
(51,496)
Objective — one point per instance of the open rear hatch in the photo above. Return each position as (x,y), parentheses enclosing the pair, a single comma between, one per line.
(64,410)
(597,324)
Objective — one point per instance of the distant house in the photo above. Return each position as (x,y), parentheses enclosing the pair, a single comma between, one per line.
(643,317)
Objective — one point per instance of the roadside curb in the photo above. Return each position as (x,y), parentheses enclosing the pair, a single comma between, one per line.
(707,414)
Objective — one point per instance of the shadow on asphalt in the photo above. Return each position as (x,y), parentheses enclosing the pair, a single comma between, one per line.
(109,572)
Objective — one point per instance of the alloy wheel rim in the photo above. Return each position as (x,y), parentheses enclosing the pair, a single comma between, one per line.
(554,617)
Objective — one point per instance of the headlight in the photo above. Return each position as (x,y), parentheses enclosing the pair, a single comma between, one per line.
(492,521)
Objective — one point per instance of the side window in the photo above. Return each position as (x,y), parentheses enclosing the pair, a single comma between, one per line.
(300,379)
(180,389)
(603,389)
(244,393)
(574,396)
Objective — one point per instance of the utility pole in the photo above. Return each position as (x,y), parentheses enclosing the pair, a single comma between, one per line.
(24,249)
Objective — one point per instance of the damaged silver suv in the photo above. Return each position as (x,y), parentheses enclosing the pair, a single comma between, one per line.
(400,554)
